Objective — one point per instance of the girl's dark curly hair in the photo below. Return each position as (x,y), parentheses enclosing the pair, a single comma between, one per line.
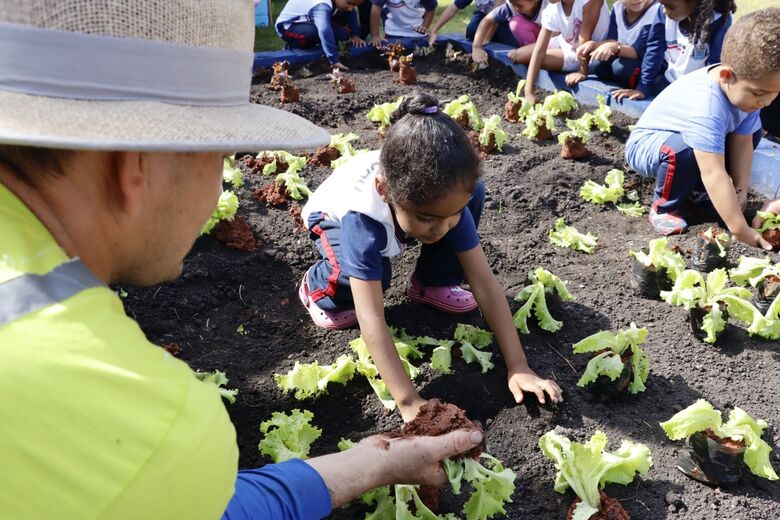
(426,153)
(700,25)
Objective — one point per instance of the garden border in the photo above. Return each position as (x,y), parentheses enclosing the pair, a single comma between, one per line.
(766,159)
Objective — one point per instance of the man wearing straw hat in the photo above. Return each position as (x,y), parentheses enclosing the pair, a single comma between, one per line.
(114,119)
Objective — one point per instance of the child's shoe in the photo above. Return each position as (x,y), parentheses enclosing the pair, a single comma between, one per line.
(667,223)
(326,319)
(452,299)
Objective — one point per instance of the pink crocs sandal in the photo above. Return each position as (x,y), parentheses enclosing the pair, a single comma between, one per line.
(333,320)
(452,299)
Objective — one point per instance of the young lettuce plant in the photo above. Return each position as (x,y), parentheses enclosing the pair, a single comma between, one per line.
(312,379)
(227,205)
(343,143)
(559,103)
(574,140)
(471,340)
(612,191)
(219,379)
(492,137)
(770,228)
(618,353)
(587,468)
(280,161)
(655,268)
(539,124)
(761,274)
(295,184)
(231,173)
(534,296)
(492,485)
(464,111)
(517,107)
(288,437)
(765,325)
(599,117)
(568,236)
(381,114)
(701,420)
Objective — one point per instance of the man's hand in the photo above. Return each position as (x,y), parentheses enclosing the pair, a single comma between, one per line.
(751,237)
(479,55)
(584,50)
(357,41)
(527,381)
(772,206)
(603,52)
(572,78)
(377,41)
(627,93)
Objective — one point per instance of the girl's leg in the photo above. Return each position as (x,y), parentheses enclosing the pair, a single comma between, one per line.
(602,69)
(524,30)
(301,35)
(678,178)
(553,59)
(471,28)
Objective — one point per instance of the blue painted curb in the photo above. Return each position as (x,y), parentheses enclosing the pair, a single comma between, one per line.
(765,175)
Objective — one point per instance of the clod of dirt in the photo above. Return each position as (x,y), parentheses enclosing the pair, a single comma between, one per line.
(512,111)
(345,86)
(463,120)
(393,53)
(290,94)
(295,213)
(172,348)
(437,418)
(237,234)
(543,133)
(273,194)
(281,75)
(574,148)
(256,164)
(407,75)
(323,156)
(773,237)
(611,509)
(728,442)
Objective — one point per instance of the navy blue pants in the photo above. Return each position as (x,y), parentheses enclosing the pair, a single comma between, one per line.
(679,177)
(623,71)
(502,35)
(437,265)
(303,35)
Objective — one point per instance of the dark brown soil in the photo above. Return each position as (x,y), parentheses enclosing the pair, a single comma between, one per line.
(437,418)
(529,186)
(290,94)
(236,233)
(611,509)
(773,237)
(512,111)
(407,75)
(483,150)
(727,442)
(543,133)
(295,213)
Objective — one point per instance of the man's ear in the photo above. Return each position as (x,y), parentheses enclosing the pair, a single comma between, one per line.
(127,176)
(380,183)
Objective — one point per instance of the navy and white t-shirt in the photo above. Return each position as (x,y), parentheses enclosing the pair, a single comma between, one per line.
(682,56)
(369,231)
(404,15)
(505,11)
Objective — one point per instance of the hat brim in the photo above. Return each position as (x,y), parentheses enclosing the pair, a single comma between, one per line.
(151,126)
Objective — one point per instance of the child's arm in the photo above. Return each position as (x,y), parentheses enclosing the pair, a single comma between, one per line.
(321,16)
(721,188)
(485,31)
(445,17)
(376,20)
(430,12)
(590,17)
(740,162)
(370,310)
(537,58)
(652,56)
(492,302)
(354,29)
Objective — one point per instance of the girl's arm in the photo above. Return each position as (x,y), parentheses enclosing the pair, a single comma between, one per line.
(590,18)
(427,19)
(537,58)
(376,20)
(370,310)
(445,17)
(492,302)
(485,31)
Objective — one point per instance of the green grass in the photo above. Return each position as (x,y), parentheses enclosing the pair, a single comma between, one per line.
(266,38)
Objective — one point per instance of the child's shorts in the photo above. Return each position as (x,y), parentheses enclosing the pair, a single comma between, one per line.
(570,61)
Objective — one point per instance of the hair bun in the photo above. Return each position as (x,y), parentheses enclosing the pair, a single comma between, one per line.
(416,104)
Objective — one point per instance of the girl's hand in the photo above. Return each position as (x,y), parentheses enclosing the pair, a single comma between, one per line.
(479,55)
(584,50)
(627,93)
(527,381)
(751,237)
(573,78)
(340,66)
(432,39)
(357,41)
(530,95)
(377,41)
(773,206)
(604,51)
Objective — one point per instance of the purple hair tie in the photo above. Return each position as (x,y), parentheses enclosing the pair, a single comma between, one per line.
(431,110)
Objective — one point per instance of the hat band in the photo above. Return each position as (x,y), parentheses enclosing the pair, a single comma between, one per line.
(78,65)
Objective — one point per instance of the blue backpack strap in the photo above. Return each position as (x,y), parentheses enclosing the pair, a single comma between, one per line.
(31,292)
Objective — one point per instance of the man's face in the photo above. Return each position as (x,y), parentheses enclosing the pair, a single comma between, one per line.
(750,95)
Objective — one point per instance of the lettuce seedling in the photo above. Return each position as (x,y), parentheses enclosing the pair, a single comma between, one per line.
(231,173)
(288,437)
(464,111)
(517,108)
(577,130)
(600,117)
(311,379)
(568,236)
(294,163)
(219,379)
(753,270)
(771,221)
(766,325)
(492,485)
(516,97)
(343,143)
(631,209)
(534,296)
(740,427)
(610,363)
(539,124)
(661,257)
(561,102)
(471,340)
(227,205)
(295,184)
(492,135)
(601,194)
(586,468)
(381,113)
(346,158)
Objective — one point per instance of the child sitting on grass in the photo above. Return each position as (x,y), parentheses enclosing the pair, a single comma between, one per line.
(482,8)
(423,185)
(523,19)
(402,18)
(633,53)
(574,22)
(694,35)
(305,23)
(697,137)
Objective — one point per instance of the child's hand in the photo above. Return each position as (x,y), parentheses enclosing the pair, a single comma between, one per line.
(627,93)
(357,41)
(573,78)
(773,206)
(410,411)
(340,66)
(584,50)
(527,381)
(530,95)
(420,29)
(752,237)
(604,51)
(479,55)
(432,39)
(377,41)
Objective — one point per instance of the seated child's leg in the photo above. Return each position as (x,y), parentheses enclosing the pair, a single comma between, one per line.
(504,35)
(524,30)
(602,69)
(301,35)
(626,71)
(560,56)
(678,177)
(471,28)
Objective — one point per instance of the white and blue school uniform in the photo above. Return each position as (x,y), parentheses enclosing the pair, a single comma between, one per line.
(357,233)
(646,36)
(693,113)
(402,16)
(682,56)
(554,19)
(304,23)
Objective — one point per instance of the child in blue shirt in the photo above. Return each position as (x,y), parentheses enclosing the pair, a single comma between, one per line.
(523,18)
(424,184)
(305,23)
(697,137)
(402,18)
(633,53)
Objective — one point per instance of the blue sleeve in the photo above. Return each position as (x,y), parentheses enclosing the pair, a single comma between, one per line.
(290,490)
(500,14)
(653,58)
(463,236)
(750,125)
(321,15)
(429,5)
(716,43)
(612,32)
(380,3)
(362,242)
(460,4)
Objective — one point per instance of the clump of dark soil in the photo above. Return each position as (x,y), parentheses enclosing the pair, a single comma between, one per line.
(437,418)
(323,156)
(773,237)
(290,94)
(237,234)
(574,148)
(407,75)
(512,111)
(273,194)
(484,150)
(295,213)
(611,509)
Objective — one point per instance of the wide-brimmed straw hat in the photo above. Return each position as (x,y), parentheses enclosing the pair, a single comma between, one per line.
(149,75)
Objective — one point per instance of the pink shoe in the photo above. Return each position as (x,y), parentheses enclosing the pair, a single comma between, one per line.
(452,300)
(334,320)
